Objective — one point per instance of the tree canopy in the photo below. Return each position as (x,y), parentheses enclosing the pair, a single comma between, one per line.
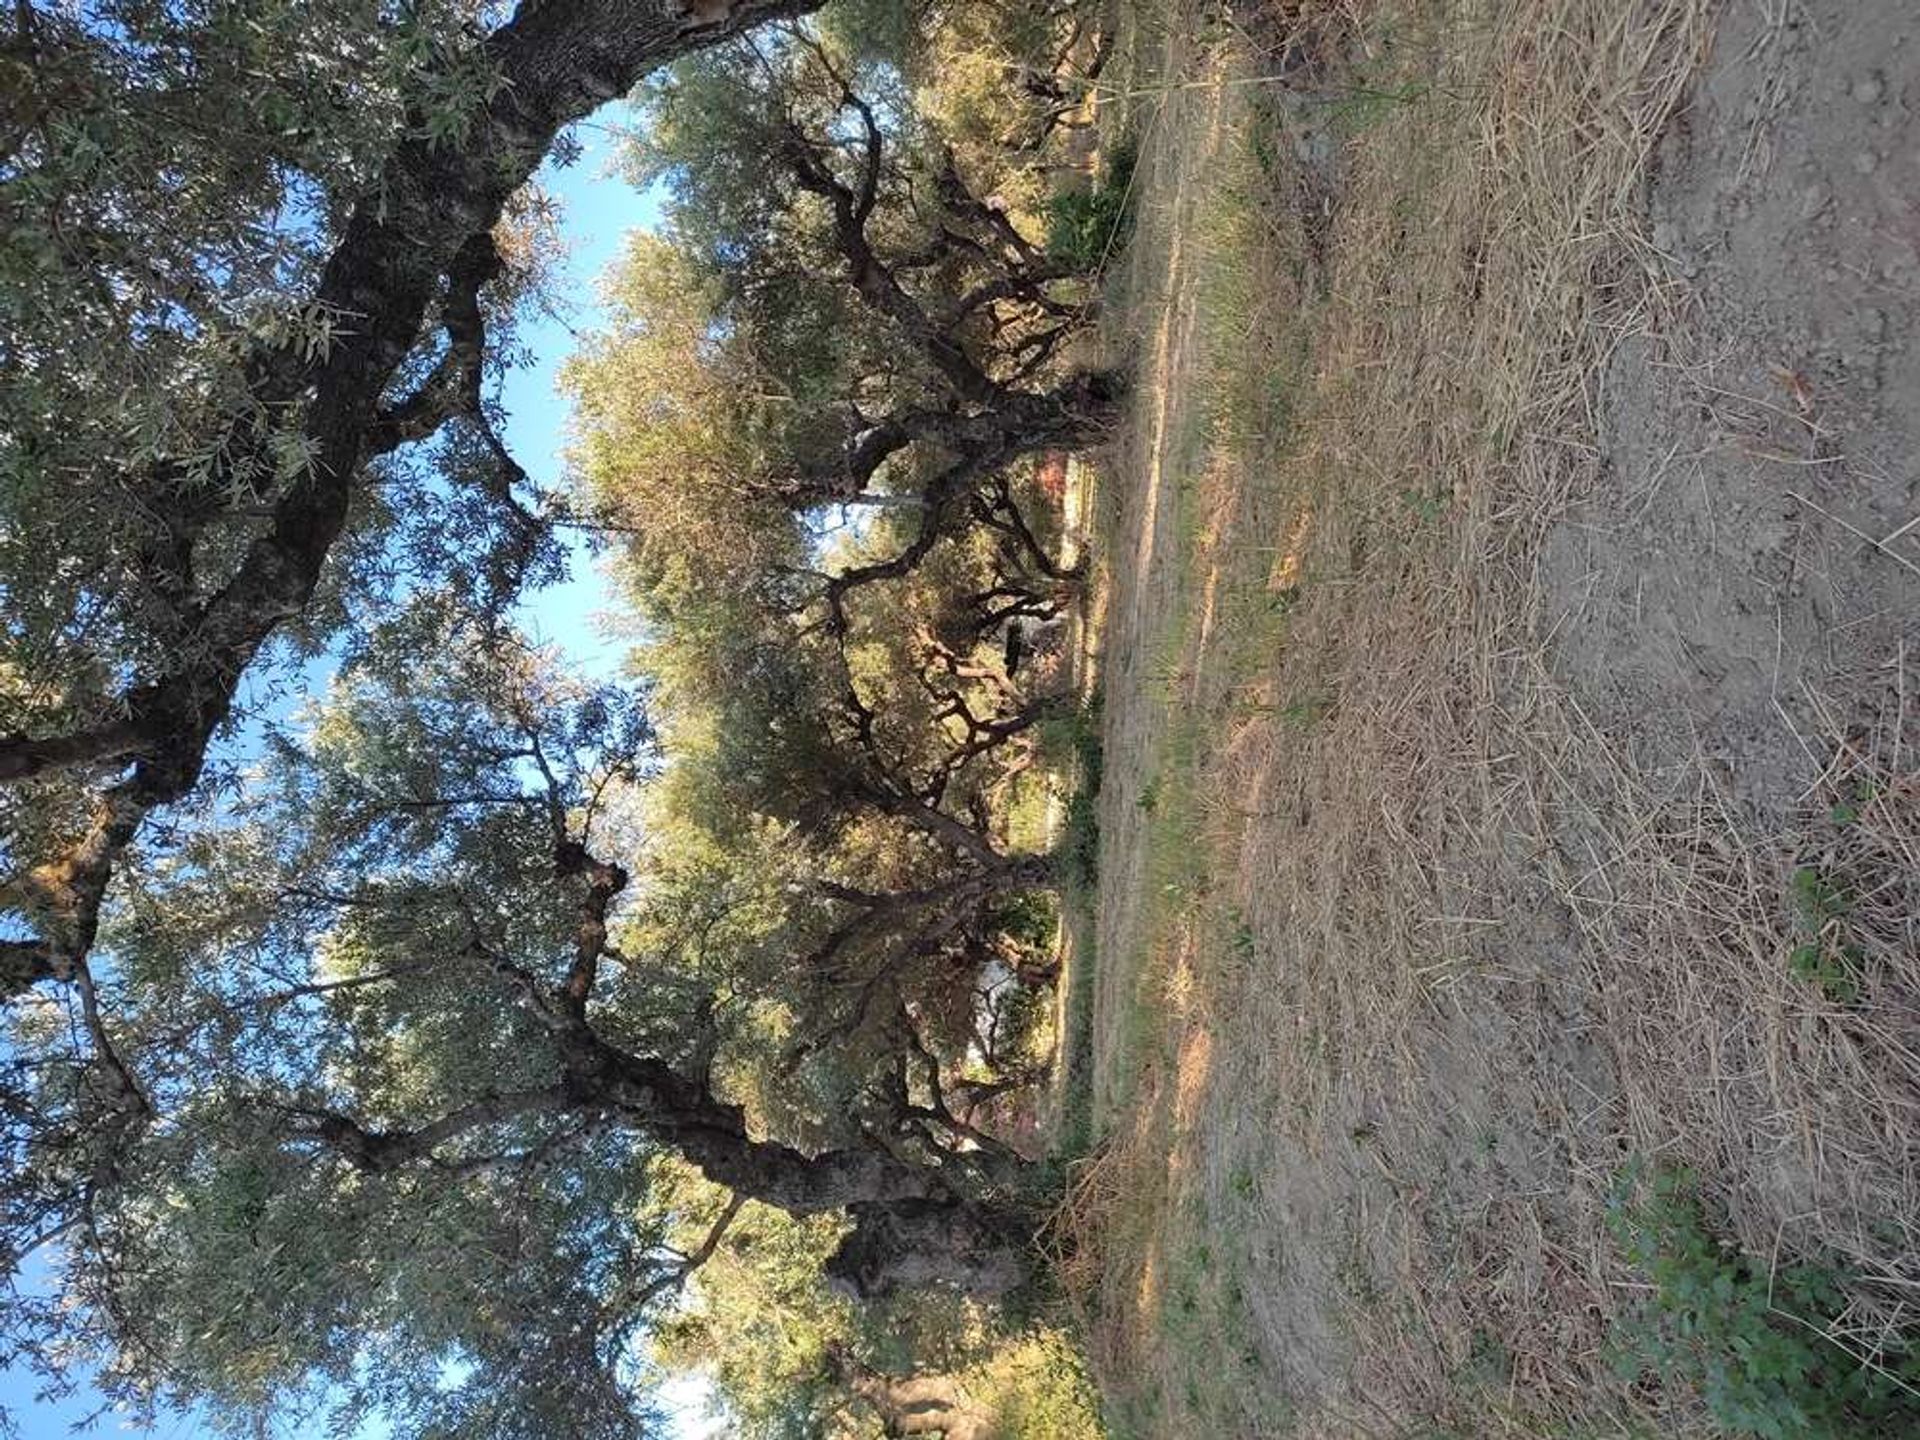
(411,1049)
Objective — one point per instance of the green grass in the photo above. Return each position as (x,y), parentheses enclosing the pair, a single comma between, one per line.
(1086,228)
(1206,1328)
(1751,1336)
(1070,743)
(1824,958)
(1255,361)
(1175,882)
(1026,813)
(1076,1135)
(1364,108)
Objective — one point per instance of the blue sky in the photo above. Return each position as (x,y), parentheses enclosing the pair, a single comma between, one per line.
(599,209)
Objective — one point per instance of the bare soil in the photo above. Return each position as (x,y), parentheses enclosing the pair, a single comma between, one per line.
(1513,596)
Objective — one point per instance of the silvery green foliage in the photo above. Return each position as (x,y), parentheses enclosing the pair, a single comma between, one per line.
(332,939)
(172,178)
(308,1127)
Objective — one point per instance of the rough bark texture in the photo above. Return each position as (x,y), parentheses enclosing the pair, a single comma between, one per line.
(911,1244)
(23,964)
(915,1223)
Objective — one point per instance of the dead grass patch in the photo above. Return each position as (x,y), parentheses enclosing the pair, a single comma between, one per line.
(1401,955)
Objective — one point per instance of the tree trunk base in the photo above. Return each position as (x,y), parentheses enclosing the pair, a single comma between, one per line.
(910,1244)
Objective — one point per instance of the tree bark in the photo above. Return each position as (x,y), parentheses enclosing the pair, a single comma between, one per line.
(915,1223)
(23,964)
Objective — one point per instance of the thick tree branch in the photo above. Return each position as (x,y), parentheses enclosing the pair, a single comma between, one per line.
(605,879)
(23,756)
(454,387)
(1065,418)
(877,912)
(557,61)
(25,963)
(936,1109)
(378,1151)
(872,279)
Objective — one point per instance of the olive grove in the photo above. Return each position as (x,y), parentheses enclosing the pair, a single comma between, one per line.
(361,1046)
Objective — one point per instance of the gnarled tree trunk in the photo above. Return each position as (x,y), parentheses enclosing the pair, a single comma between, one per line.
(423,233)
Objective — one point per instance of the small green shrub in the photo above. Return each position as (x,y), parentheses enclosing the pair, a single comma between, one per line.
(1080,840)
(1833,971)
(1029,919)
(1085,227)
(1040,1390)
(1242,941)
(1824,959)
(1752,1339)
(1073,740)
(1817,899)
(1149,796)
(1847,811)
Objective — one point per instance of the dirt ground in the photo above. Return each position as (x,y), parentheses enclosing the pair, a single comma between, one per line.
(1511,700)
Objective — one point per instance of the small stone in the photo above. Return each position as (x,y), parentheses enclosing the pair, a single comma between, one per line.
(1815,198)
(1868,89)
(1665,237)
(1831,274)
(1866,162)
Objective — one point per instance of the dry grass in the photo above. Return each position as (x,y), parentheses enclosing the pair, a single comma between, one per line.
(1401,956)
